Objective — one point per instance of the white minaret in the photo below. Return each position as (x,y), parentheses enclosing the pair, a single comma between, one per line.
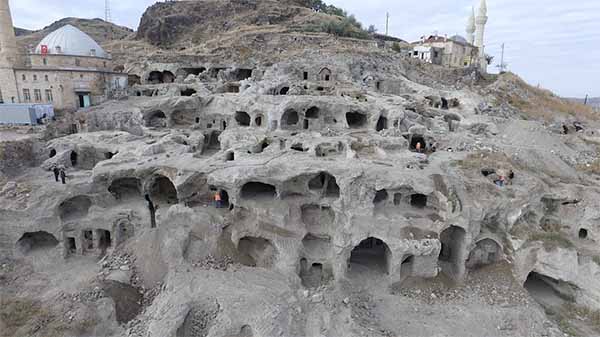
(8,55)
(471,28)
(480,22)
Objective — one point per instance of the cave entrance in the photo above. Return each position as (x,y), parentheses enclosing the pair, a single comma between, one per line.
(36,241)
(256,252)
(284,90)
(188,92)
(52,153)
(212,141)
(157,77)
(406,268)
(380,197)
(258,120)
(548,292)
(258,191)
(382,124)
(243,74)
(71,246)
(325,183)
(88,240)
(371,255)
(452,251)
(74,208)
(486,252)
(417,143)
(356,120)
(191,71)
(126,189)
(311,276)
(156,119)
(162,191)
(289,118)
(583,233)
(418,200)
(104,239)
(242,118)
(312,113)
(73,158)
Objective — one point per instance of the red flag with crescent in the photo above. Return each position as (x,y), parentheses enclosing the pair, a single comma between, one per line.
(44,49)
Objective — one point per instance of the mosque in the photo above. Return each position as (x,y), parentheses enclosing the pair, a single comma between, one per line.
(457,51)
(67,69)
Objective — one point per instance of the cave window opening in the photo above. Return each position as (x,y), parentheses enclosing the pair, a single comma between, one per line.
(258,121)
(188,92)
(242,118)
(157,77)
(88,240)
(108,155)
(256,252)
(418,200)
(126,189)
(325,183)
(382,124)
(73,158)
(306,124)
(583,233)
(223,125)
(258,191)
(312,113)
(197,120)
(289,118)
(284,90)
(373,254)
(445,105)
(397,199)
(157,119)
(71,246)
(36,241)
(298,147)
(452,241)
(52,153)
(305,75)
(406,267)
(163,192)
(325,74)
(104,239)
(230,156)
(356,120)
(380,197)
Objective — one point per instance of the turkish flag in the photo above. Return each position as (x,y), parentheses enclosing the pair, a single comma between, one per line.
(44,49)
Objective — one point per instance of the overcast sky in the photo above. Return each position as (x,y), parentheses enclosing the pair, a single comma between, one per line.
(553,43)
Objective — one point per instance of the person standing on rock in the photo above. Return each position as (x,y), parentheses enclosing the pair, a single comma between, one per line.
(56,172)
(418,147)
(152,210)
(63,176)
(218,201)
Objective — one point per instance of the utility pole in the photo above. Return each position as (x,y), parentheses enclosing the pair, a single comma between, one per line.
(502,66)
(387,24)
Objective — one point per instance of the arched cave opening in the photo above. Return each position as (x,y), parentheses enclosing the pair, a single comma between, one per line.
(242,118)
(74,208)
(289,118)
(256,252)
(157,77)
(583,233)
(312,113)
(73,158)
(156,119)
(380,197)
(417,141)
(486,252)
(356,120)
(36,241)
(125,189)
(452,240)
(382,124)
(52,153)
(372,254)
(258,191)
(284,90)
(163,191)
(188,92)
(325,183)
(418,200)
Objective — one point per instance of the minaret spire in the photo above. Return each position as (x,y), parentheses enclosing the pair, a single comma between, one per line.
(480,22)
(471,27)
(8,55)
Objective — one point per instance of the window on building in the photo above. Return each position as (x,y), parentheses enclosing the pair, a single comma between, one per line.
(35,77)
(81,76)
(92,52)
(46,78)
(77,62)
(45,62)
(24,77)
(49,97)
(38,95)
(435,54)
(416,53)
(26,95)
(58,49)
(1,99)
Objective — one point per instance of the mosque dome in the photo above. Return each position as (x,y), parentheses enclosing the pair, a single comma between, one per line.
(69,40)
(459,39)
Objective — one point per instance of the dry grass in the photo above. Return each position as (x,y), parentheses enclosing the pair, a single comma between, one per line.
(539,103)
(551,240)
(24,317)
(480,160)
(592,168)
(572,311)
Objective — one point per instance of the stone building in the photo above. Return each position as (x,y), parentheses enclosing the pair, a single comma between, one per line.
(67,69)
(456,51)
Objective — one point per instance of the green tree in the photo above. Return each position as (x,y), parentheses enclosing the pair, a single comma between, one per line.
(372,29)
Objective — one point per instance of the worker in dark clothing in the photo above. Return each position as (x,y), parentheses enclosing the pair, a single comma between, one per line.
(152,210)
(56,172)
(63,176)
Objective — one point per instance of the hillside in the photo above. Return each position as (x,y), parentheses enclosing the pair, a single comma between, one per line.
(98,29)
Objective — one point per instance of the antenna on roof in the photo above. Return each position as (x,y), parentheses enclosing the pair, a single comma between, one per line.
(107,17)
